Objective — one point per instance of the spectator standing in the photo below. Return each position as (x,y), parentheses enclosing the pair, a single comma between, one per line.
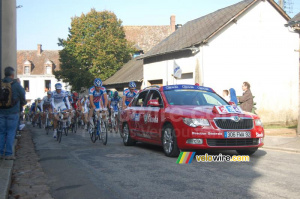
(9,116)
(247,99)
(233,97)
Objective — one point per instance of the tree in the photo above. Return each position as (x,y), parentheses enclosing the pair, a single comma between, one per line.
(96,47)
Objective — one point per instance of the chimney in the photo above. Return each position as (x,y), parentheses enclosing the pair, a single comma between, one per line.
(172,23)
(39,49)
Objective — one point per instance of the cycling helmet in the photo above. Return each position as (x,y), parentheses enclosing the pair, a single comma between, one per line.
(132,85)
(39,99)
(58,86)
(49,93)
(75,94)
(67,93)
(97,82)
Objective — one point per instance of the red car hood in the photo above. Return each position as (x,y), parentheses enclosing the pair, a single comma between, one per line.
(202,112)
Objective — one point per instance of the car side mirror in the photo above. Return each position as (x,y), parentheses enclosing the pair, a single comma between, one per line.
(153,103)
(231,103)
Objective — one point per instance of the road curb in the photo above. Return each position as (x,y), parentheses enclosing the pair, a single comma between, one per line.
(6,168)
(282,149)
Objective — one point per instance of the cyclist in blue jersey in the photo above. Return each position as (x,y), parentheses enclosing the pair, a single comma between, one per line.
(129,94)
(96,92)
(114,102)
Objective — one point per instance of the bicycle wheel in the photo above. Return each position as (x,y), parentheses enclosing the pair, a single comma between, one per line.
(46,126)
(66,130)
(93,134)
(104,133)
(76,125)
(59,135)
(40,122)
(116,127)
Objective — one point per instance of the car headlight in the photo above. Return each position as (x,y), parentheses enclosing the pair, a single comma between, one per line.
(193,122)
(258,122)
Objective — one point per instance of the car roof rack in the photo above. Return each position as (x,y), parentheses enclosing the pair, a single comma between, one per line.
(153,86)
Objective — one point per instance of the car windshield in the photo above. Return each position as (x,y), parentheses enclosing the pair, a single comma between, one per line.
(194,98)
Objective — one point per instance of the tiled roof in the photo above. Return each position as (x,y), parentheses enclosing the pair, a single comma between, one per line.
(146,37)
(200,30)
(131,71)
(37,61)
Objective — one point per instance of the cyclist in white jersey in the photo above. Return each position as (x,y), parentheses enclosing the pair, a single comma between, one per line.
(46,106)
(85,104)
(58,103)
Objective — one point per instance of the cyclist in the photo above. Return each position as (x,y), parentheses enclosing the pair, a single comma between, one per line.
(71,114)
(46,107)
(85,104)
(37,110)
(95,94)
(129,94)
(58,97)
(114,105)
(114,102)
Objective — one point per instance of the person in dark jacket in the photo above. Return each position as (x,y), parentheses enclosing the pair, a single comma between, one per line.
(247,99)
(9,117)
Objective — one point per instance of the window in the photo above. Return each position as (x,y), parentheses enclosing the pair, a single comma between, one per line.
(140,99)
(26,70)
(27,67)
(193,98)
(154,95)
(26,85)
(48,70)
(47,85)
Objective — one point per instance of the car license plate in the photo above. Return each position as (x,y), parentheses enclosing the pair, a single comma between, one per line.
(237,134)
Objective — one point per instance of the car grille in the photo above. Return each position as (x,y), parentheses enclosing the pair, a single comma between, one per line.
(230,124)
(233,142)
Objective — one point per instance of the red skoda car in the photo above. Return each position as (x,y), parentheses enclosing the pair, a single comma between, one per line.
(189,117)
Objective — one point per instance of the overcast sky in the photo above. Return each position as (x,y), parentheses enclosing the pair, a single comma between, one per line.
(44,21)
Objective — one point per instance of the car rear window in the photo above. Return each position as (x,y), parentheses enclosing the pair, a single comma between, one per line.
(194,98)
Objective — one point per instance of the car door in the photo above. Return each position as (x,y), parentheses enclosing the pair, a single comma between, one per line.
(137,114)
(153,117)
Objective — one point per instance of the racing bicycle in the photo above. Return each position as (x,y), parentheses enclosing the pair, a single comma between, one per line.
(99,131)
(61,125)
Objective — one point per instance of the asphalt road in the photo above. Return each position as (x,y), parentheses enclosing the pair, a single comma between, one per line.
(78,168)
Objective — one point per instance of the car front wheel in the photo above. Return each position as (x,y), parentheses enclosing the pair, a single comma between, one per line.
(169,141)
(127,140)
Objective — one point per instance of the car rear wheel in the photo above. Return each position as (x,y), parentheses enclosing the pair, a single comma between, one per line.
(127,140)
(169,141)
(246,151)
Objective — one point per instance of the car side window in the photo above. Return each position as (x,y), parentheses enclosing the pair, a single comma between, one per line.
(154,95)
(139,101)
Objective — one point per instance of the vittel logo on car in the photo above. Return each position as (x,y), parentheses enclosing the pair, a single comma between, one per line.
(192,87)
(236,118)
(171,87)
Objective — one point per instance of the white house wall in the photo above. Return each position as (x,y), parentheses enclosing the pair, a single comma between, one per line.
(260,50)
(37,85)
(164,70)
